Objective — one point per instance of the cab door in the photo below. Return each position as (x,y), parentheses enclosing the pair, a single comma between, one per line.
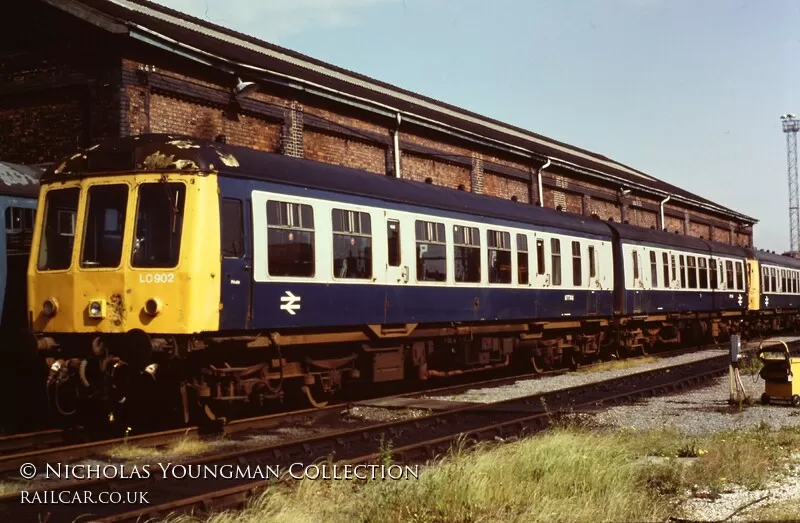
(237,263)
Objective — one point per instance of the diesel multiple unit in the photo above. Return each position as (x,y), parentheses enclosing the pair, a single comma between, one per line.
(227,276)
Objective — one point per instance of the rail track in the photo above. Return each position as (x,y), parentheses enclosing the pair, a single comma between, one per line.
(58,445)
(413,440)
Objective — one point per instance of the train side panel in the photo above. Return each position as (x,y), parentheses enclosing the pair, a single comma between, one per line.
(321,293)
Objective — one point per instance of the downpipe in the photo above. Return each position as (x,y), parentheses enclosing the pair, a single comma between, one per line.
(539,181)
(397,147)
(661,208)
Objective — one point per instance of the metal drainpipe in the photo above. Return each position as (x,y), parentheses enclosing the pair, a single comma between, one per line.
(665,200)
(539,176)
(397,147)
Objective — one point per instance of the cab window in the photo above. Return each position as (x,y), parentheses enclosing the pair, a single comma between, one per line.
(159,225)
(58,236)
(104,226)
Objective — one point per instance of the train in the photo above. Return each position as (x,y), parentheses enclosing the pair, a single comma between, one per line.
(19,190)
(183,278)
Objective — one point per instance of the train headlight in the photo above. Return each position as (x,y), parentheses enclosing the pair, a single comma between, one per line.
(97,309)
(152,307)
(50,307)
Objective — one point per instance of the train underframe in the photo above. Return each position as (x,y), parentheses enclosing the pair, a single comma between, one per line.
(152,381)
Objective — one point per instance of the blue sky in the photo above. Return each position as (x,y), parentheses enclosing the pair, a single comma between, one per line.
(689,91)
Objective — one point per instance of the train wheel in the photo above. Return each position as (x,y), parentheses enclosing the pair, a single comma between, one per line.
(570,359)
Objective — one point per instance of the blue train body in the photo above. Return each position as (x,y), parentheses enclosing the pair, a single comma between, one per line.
(19,188)
(614,286)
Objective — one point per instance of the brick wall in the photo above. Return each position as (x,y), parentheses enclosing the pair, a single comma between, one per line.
(21,130)
(358,154)
(59,85)
(97,87)
(674,224)
(722,235)
(504,187)
(415,167)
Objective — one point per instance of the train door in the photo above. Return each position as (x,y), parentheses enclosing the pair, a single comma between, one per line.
(753,285)
(237,262)
(399,257)
(594,282)
(638,283)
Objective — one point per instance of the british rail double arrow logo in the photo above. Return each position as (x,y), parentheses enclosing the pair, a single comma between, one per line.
(290,303)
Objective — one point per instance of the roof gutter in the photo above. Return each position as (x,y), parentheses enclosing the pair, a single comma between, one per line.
(198,55)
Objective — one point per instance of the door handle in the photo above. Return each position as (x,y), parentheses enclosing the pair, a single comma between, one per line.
(246,267)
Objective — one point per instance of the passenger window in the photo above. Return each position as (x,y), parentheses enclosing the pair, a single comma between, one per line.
(635,266)
(290,239)
(653,269)
(712,267)
(393,242)
(540,256)
(592,267)
(58,236)
(739,276)
(467,250)
(703,272)
(19,230)
(105,225)
(683,271)
(352,244)
(523,274)
(729,274)
(232,228)
(555,259)
(691,269)
(431,251)
(773,283)
(576,264)
(499,253)
(674,272)
(665,268)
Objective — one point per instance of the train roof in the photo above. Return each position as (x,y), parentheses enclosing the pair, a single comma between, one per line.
(776,259)
(682,241)
(19,180)
(170,153)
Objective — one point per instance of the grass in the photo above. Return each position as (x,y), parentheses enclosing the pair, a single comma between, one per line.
(787,510)
(570,473)
(750,365)
(619,364)
(182,447)
(11,487)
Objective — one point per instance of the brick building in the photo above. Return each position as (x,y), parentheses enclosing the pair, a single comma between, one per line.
(75,72)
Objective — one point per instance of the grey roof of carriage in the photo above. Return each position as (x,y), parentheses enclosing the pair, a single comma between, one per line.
(19,180)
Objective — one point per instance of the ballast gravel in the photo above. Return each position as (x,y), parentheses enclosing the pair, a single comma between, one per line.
(574,379)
